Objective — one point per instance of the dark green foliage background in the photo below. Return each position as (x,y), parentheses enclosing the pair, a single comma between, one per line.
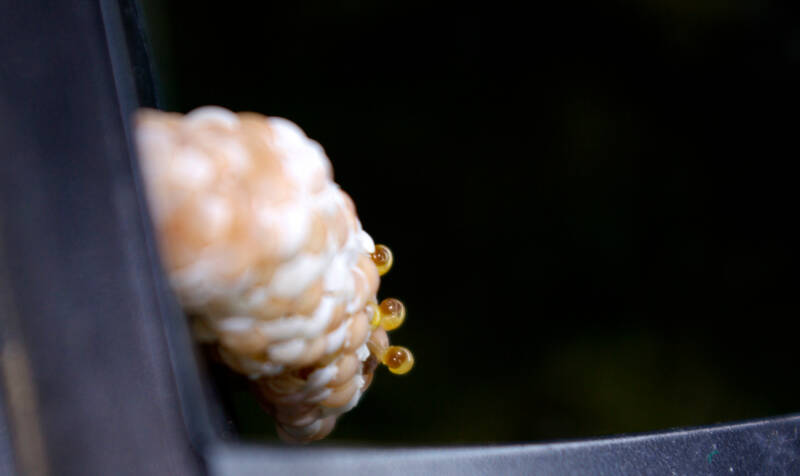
(590,202)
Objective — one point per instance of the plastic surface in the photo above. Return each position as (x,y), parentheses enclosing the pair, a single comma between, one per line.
(91,379)
(761,447)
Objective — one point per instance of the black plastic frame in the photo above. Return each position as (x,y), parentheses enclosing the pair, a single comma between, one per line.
(98,374)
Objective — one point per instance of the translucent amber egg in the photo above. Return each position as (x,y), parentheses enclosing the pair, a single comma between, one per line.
(398,360)
(383,259)
(393,313)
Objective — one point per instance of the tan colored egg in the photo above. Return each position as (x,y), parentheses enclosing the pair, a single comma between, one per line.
(342,394)
(346,369)
(359,331)
(251,343)
(312,353)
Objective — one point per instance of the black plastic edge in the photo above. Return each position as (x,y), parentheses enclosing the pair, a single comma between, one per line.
(769,446)
(77,252)
(203,423)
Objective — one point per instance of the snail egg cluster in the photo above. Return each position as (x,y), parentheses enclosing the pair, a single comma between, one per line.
(267,255)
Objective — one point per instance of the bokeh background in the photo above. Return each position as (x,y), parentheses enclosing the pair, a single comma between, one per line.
(590,202)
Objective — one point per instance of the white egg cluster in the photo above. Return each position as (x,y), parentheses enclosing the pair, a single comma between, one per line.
(267,253)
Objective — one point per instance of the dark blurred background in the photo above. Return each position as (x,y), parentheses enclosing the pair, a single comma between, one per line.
(590,202)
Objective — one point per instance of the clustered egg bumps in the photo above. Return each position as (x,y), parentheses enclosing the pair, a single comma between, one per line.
(267,254)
